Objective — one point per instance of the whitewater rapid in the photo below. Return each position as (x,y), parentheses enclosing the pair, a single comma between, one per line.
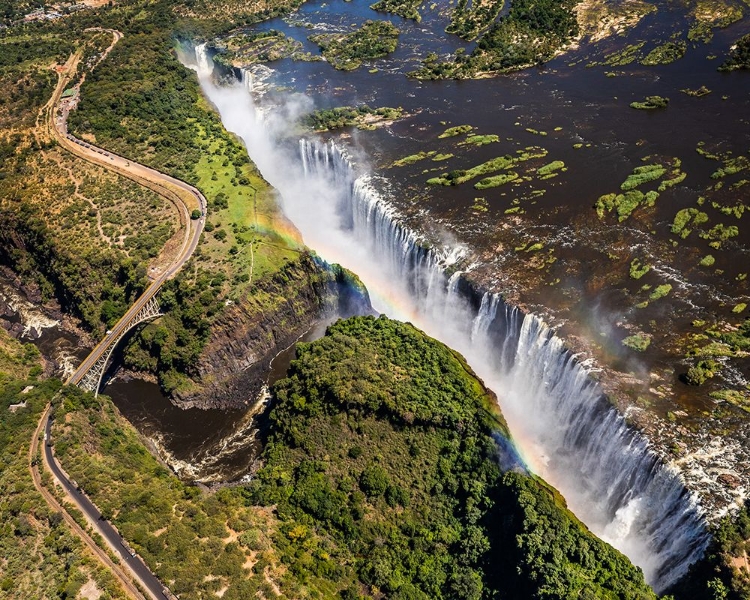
(566,430)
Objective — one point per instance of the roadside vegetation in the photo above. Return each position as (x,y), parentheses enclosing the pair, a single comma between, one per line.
(41,558)
(88,238)
(73,231)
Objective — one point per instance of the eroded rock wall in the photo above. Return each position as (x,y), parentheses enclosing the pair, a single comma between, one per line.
(248,334)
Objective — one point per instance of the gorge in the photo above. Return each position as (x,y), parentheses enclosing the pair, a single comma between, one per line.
(467,317)
(565,429)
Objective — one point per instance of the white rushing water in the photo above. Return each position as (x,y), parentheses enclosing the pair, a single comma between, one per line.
(566,431)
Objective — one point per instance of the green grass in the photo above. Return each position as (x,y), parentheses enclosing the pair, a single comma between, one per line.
(740,398)
(660,291)
(496,181)
(412,158)
(637,269)
(459,176)
(685,217)
(624,204)
(247,212)
(650,103)
(626,56)
(17,360)
(480,140)
(641,175)
(550,168)
(677,178)
(666,53)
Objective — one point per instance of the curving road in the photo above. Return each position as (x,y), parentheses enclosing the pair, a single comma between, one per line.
(184,196)
(126,581)
(132,561)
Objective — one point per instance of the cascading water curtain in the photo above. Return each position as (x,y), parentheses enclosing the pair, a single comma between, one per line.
(604,468)
(567,431)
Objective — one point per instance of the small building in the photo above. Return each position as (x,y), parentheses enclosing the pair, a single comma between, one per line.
(69,93)
(14,407)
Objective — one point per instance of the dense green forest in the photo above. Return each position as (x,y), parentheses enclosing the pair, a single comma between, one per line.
(382,478)
(347,51)
(385,445)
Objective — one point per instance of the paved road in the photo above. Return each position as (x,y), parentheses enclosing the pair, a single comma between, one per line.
(181,194)
(131,561)
(125,580)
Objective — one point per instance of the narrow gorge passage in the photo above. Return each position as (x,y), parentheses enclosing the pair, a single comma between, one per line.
(565,429)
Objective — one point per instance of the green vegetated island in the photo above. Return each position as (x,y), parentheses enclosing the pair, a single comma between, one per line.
(347,51)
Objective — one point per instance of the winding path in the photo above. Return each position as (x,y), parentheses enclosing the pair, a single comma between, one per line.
(185,198)
(126,581)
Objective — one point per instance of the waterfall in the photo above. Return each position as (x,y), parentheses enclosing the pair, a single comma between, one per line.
(203,60)
(422,271)
(573,436)
(247,80)
(567,431)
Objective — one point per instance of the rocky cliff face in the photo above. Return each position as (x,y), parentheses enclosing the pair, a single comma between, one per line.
(235,361)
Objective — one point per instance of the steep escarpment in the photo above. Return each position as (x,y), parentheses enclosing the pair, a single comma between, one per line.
(384,454)
(248,333)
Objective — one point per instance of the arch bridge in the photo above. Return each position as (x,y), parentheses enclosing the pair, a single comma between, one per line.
(89,375)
